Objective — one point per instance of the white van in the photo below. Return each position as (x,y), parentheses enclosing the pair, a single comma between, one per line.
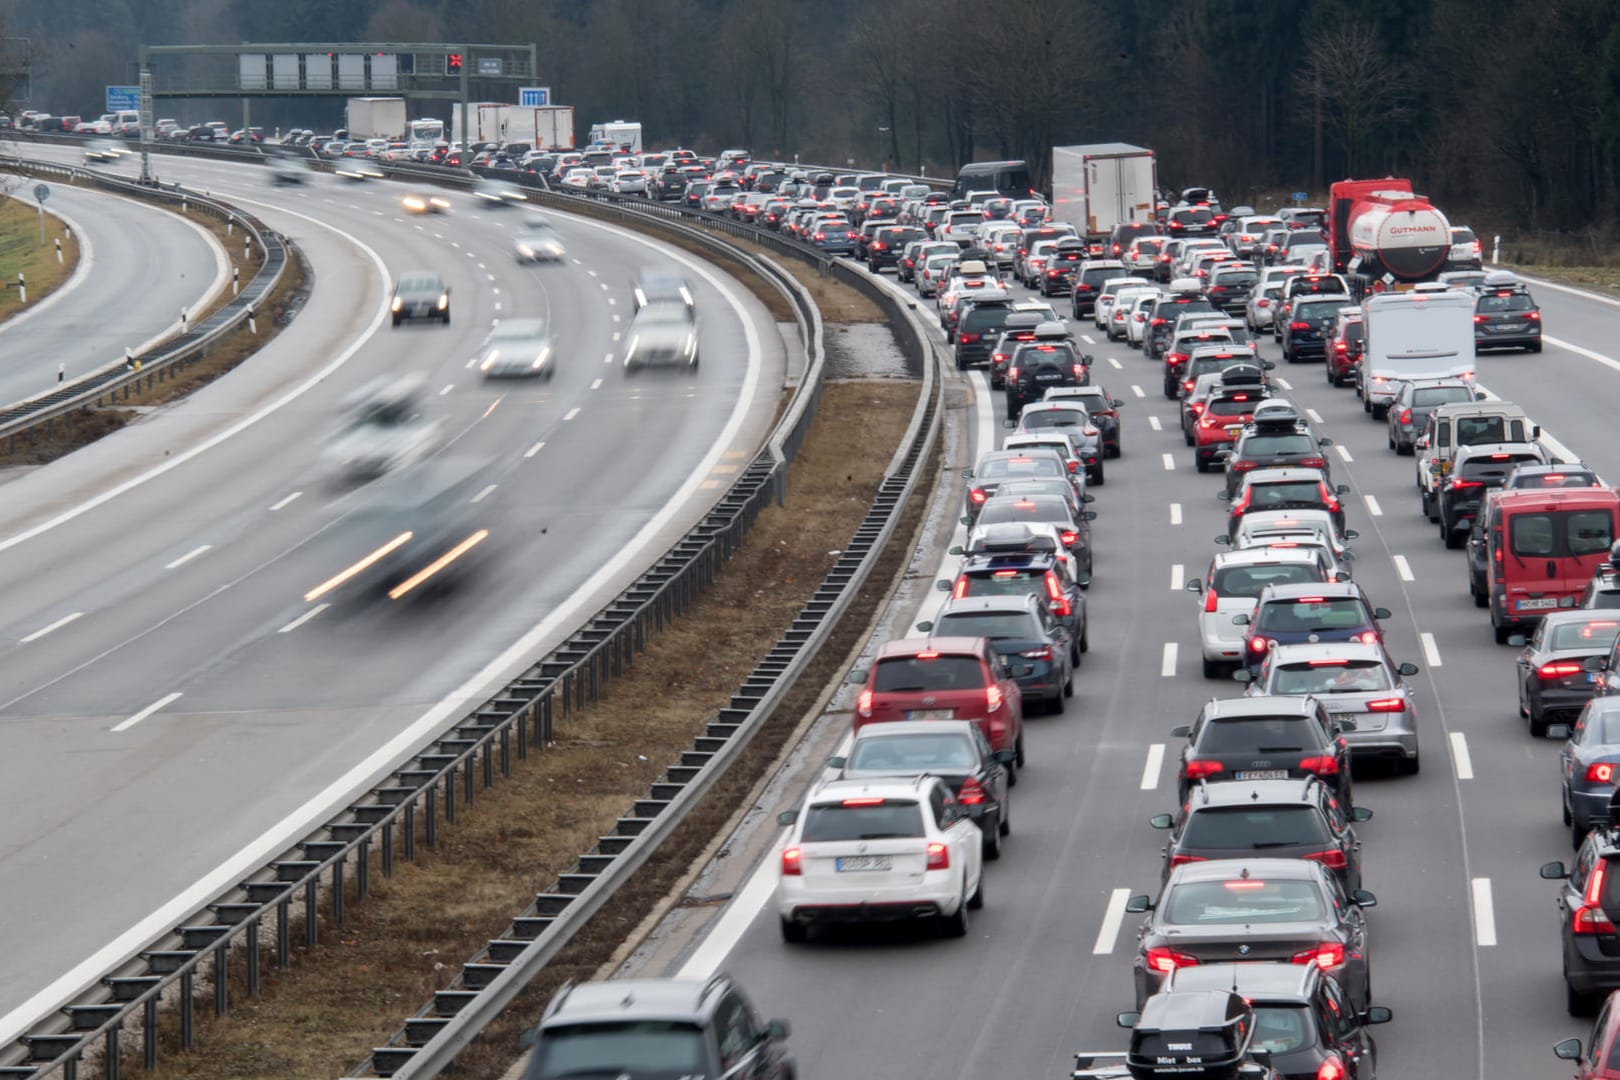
(1421,334)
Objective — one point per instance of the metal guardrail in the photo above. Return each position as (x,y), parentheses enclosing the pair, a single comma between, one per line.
(25,418)
(90,1025)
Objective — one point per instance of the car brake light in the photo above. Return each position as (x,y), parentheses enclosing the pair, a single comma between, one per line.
(961,588)
(1311,463)
(863,704)
(971,793)
(1590,917)
(1079,371)
(1366,637)
(1199,769)
(939,856)
(977,495)
(1321,765)
(1187,385)
(1456,483)
(1259,644)
(1043,653)
(1393,704)
(1012,373)
(1479,318)
(1245,466)
(1332,858)
(1210,600)
(1330,1069)
(1405,417)
(1533,316)
(1183,860)
(867,801)
(1329,954)
(967,339)
(792,862)
(1601,772)
(1560,669)
(992,698)
(1164,961)
(1068,537)
(1298,326)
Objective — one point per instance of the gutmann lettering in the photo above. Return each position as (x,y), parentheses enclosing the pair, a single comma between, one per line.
(1406,230)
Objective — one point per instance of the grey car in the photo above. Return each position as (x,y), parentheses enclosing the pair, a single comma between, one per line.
(1590,764)
(665,333)
(519,349)
(1365,692)
(1559,668)
(1409,412)
(420,295)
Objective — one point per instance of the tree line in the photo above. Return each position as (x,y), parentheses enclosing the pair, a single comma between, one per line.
(1505,110)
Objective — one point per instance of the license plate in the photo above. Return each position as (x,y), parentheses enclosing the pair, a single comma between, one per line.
(1591,676)
(1505,327)
(1233,429)
(849,864)
(1538,605)
(1262,774)
(1340,717)
(930,714)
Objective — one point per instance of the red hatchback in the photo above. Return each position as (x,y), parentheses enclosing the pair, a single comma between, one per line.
(944,678)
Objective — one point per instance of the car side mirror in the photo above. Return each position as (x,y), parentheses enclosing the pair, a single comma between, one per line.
(1196,585)
(1010,425)
(1342,489)
(532,1036)
(1116,403)
(1516,640)
(1341,576)
(1127,1020)
(1181,731)
(967,474)
(1220,456)
(1407,670)
(925,626)
(1553,871)
(1557,731)
(1380,612)
(1351,534)
(1479,395)
(956,549)
(1268,365)
(778,1028)
(1240,619)
(1224,496)
(1005,757)
(964,519)
(1223,539)
(1382,1014)
(1088,498)
(836,762)
(1243,675)
(1161,821)
(1139,903)
(857,676)
(1363,899)
(1324,442)
(1090,515)
(944,585)
(1568,1050)
(1359,814)
(1595,663)
(787,818)
(1423,440)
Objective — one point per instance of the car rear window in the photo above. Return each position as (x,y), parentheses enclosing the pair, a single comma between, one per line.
(1039,508)
(1329,677)
(1282,1029)
(1257,827)
(661,1047)
(1257,734)
(1441,395)
(928,671)
(1310,613)
(1243,901)
(885,820)
(1249,580)
(1002,468)
(1009,624)
(905,752)
(1149,245)
(1499,302)
(1292,443)
(1054,418)
(965,218)
(1284,496)
(1198,216)
(1236,277)
(985,319)
(1004,582)
(1493,467)
(1587,636)
(1231,406)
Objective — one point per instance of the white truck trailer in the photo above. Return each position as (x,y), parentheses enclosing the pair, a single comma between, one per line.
(1098,186)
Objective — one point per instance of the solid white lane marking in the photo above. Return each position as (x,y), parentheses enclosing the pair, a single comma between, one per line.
(1113,916)
(1431,651)
(1167,666)
(482,495)
(167,699)
(596,384)
(1282,382)
(1372,506)
(1607,362)
(52,628)
(1138,391)
(284,503)
(1344,452)
(1403,568)
(1484,913)
(571,413)
(1175,513)
(304,618)
(1460,758)
(1169,462)
(708,956)
(535,449)
(188,556)
(1117,365)
(1150,769)
(1178,573)
(1153,422)
(1316,417)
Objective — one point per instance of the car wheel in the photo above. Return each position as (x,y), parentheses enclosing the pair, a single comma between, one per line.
(1054,704)
(396,320)
(1535,347)
(976,901)
(1481,600)
(1409,766)
(1186,437)
(957,925)
(1379,412)
(1004,816)
(1018,748)
(1212,669)
(991,844)
(1569,819)
(1098,477)
(1538,723)
(1577,1003)
(1200,464)
(794,933)
(1454,539)
(1085,640)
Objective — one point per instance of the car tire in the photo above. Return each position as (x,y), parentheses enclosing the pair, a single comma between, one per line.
(1537,724)
(1535,348)
(976,901)
(1577,1003)
(1099,478)
(1018,749)
(1186,437)
(1409,766)
(1004,817)
(1454,538)
(1379,412)
(990,844)
(1212,668)
(794,933)
(397,320)
(1200,464)
(957,925)
(1085,640)
(1480,599)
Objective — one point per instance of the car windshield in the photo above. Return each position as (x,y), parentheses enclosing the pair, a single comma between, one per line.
(1256,827)
(1500,302)
(913,753)
(1282,1029)
(1258,734)
(645,1048)
(1243,901)
(1329,677)
(928,671)
(1259,445)
(420,284)
(1247,581)
(886,819)
(989,624)
(1583,636)
(1311,613)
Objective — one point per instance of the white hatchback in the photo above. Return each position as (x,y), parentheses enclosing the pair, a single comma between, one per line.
(882,849)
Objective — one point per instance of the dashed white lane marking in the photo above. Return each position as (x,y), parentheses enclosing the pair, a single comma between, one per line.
(1117,365)
(167,699)
(537,447)
(1113,917)
(1403,568)
(1284,383)
(616,337)
(188,556)
(608,359)
(1459,756)
(284,503)
(1431,651)
(1151,768)
(1484,913)
(1316,417)
(1138,391)
(52,628)
(1372,506)
(611,300)
(592,273)
(596,384)
(447,389)
(453,243)
(1178,574)
(1087,339)
(490,276)
(304,618)
(481,266)
(1169,462)
(1344,452)
(482,495)
(1175,513)
(1153,422)
(1167,666)
(571,413)
(470,362)
(615,318)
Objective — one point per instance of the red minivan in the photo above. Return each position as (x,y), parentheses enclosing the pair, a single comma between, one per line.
(944,678)
(1542,547)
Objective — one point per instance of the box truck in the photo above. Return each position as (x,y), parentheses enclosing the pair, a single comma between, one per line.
(1099,186)
(624,134)
(543,127)
(1427,333)
(376,118)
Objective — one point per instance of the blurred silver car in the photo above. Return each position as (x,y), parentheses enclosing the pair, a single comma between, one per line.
(663,332)
(383,429)
(499,193)
(1365,692)
(538,242)
(521,349)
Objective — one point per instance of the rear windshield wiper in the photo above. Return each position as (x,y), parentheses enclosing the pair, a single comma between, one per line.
(1261,845)
(1279,749)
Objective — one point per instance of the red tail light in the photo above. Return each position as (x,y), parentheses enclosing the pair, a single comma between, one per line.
(1012,374)
(1332,1068)
(1258,645)
(968,339)
(1296,327)
(1054,593)
(1210,600)
(1332,858)
(1043,653)
(1329,954)
(1187,385)
(821,236)
(977,495)
(1405,417)
(1164,961)
(1366,637)
(1245,466)
(863,704)
(792,862)
(1175,359)
(1560,669)
(1479,318)
(1311,463)
(1321,765)
(1197,769)
(1068,537)
(1533,316)
(992,698)
(972,792)
(1079,371)
(961,588)
(939,856)
(1339,346)
(1183,860)
(1590,917)
(1392,704)
(1600,773)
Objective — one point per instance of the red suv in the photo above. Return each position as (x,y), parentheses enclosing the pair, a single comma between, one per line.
(944,678)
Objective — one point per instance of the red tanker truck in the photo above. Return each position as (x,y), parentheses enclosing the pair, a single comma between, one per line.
(1384,235)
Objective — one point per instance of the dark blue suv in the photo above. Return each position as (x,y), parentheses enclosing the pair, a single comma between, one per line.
(1310,320)
(1311,612)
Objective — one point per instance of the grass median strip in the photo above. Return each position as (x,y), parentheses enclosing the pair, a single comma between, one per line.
(22,252)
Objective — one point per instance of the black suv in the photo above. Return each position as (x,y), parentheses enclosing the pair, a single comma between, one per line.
(1310,320)
(978,330)
(670,186)
(1189,1034)
(1476,470)
(888,243)
(1062,266)
(1588,905)
(1506,315)
(1036,367)
(1277,437)
(656,1027)
(1162,319)
(1262,738)
(996,572)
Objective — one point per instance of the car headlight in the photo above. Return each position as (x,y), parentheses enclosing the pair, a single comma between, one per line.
(489,360)
(540,361)
(686,295)
(397,304)
(691,345)
(630,349)
(556,249)
(444,301)
(526,251)
(441,202)
(413,203)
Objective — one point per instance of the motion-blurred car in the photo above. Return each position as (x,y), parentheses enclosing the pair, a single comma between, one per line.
(290,170)
(665,333)
(499,193)
(425,202)
(383,429)
(519,348)
(660,284)
(420,295)
(537,241)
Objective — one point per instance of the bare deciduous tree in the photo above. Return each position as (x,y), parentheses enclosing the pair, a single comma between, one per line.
(1348,78)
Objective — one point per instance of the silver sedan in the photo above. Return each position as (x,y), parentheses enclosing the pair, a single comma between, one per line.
(1365,692)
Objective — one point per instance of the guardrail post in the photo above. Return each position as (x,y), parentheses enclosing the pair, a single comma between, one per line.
(184,318)
(362,871)
(337,893)
(221,957)
(236,280)
(110,1068)
(252,949)
(230,223)
(253,327)
(283,932)
(450,795)
(430,813)
(22,289)
(149,1033)
(312,913)
(186,988)
(59,258)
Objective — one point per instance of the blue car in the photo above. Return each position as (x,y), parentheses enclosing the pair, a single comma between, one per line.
(834,238)
(1311,612)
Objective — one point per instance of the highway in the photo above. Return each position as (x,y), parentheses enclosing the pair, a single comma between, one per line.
(1465,935)
(174,709)
(139,265)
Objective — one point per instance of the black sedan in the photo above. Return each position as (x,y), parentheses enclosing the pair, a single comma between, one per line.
(1259,909)
(1590,766)
(1559,666)
(1263,738)
(420,295)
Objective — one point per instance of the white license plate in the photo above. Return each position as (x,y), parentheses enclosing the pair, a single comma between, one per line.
(1233,429)
(930,714)
(1538,605)
(850,864)
(1340,717)
(1591,676)
(1263,774)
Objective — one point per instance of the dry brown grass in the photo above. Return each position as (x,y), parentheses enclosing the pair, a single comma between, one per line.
(321,1016)
(22,252)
